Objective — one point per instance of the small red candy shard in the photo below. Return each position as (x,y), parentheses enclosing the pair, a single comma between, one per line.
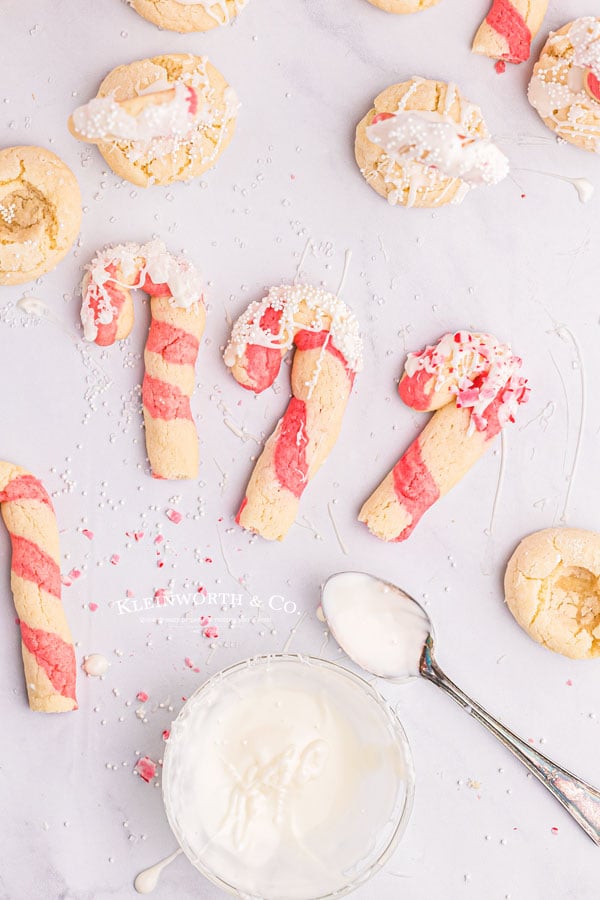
(92,607)
(87,533)
(592,85)
(500,67)
(211,632)
(142,696)
(146,768)
(166,734)
(115,559)
(174,516)
(381,117)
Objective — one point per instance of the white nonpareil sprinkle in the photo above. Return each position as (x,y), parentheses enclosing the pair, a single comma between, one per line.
(134,262)
(330,313)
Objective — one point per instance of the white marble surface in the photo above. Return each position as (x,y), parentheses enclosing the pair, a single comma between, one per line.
(77,823)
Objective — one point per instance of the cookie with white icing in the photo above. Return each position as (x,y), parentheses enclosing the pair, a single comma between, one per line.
(160,120)
(189,15)
(565,87)
(403,6)
(423,144)
(552,588)
(40,212)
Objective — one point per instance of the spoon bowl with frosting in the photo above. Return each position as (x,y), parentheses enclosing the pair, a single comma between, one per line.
(385,631)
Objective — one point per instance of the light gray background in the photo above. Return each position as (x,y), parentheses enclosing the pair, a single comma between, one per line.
(524,268)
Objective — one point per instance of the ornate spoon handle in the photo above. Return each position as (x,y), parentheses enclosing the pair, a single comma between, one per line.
(580,799)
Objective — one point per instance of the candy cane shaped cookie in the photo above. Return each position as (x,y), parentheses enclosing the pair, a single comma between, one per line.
(176,326)
(48,654)
(472,382)
(508,29)
(328,355)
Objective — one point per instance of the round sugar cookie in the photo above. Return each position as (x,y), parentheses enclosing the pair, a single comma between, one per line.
(416,184)
(552,588)
(403,6)
(40,212)
(166,160)
(565,86)
(189,15)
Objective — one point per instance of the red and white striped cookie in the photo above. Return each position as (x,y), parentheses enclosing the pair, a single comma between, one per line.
(328,355)
(176,326)
(508,29)
(473,383)
(46,644)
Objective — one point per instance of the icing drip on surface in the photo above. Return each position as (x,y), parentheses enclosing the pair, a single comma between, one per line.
(134,264)
(147,880)
(329,314)
(479,371)
(562,91)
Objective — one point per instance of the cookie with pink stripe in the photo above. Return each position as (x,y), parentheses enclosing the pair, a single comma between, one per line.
(474,385)
(46,644)
(176,326)
(328,354)
(508,29)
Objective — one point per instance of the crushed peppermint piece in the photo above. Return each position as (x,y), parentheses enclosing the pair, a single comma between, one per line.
(146,768)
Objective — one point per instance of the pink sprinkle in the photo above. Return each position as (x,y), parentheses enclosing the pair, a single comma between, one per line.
(211,632)
(204,620)
(569,683)
(93,606)
(207,559)
(87,533)
(146,768)
(158,539)
(65,581)
(500,67)
(293,177)
(142,696)
(202,590)
(115,559)
(160,563)
(190,664)
(159,596)
(75,573)
(174,516)
(166,734)
(129,593)
(554,830)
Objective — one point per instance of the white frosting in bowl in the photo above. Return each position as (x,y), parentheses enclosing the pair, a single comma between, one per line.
(287,778)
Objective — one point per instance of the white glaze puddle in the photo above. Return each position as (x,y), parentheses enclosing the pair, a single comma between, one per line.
(95,664)
(379,626)
(147,880)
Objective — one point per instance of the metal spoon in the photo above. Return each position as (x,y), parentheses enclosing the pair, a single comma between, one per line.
(386,632)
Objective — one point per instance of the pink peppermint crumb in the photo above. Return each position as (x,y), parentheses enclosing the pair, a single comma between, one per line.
(160,563)
(500,67)
(191,665)
(204,620)
(202,590)
(159,596)
(158,539)
(166,734)
(115,559)
(146,768)
(174,516)
(129,593)
(554,830)
(65,581)
(93,607)
(211,632)
(142,696)
(207,559)
(87,533)
(75,573)
(569,683)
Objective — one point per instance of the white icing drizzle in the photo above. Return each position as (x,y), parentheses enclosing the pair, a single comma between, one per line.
(433,140)
(478,370)
(561,87)
(105,119)
(343,328)
(135,262)
(222,11)
(206,129)
(427,151)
